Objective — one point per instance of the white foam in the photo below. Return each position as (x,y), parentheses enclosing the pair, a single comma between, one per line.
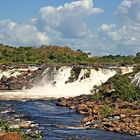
(9,73)
(126,70)
(136,80)
(55,86)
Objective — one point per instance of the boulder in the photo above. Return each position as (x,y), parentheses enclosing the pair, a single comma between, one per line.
(62,102)
(11,136)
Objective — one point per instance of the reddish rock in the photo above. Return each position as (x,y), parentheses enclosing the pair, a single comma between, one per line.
(1,134)
(124,118)
(11,136)
(87,119)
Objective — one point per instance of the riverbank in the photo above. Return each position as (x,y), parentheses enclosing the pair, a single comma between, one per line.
(61,123)
(16,126)
(115,116)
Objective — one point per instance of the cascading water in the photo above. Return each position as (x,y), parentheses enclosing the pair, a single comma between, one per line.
(56,82)
(136,80)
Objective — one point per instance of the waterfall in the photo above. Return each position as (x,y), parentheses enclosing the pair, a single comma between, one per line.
(63,81)
(136,80)
(55,82)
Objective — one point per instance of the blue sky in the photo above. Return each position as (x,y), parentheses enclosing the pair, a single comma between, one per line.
(22,10)
(101,27)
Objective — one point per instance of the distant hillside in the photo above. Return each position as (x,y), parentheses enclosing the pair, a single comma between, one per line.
(57,54)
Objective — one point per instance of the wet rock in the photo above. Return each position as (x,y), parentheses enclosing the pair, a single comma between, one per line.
(87,119)
(83,109)
(25,78)
(62,102)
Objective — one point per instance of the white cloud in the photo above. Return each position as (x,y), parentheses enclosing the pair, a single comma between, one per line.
(130,10)
(126,37)
(110,30)
(124,6)
(106,27)
(64,24)
(67,20)
(21,34)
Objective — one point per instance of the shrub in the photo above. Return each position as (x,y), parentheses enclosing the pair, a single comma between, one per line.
(122,88)
(105,112)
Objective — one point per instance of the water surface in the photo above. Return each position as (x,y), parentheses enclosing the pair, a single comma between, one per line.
(60,123)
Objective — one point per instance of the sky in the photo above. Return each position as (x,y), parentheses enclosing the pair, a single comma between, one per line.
(101,27)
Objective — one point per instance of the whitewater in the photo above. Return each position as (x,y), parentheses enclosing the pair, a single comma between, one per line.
(54,83)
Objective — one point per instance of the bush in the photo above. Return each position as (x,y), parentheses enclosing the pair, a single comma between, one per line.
(105,112)
(123,88)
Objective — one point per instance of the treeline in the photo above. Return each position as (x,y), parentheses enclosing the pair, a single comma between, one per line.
(56,54)
(43,54)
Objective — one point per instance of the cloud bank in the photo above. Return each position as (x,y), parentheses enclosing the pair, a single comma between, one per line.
(67,25)
(127,37)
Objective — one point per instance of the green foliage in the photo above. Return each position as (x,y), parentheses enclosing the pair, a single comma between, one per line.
(44,54)
(38,135)
(115,60)
(136,69)
(4,125)
(122,88)
(137,58)
(96,96)
(105,112)
(56,54)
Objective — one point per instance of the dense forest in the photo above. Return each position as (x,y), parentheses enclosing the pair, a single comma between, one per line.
(57,54)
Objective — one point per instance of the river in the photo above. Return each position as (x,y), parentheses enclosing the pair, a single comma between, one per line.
(60,123)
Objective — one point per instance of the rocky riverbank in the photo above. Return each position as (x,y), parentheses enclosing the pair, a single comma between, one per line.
(115,116)
(15,126)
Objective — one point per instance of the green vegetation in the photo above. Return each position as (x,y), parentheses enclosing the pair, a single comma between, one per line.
(118,59)
(105,111)
(56,54)
(5,126)
(44,54)
(120,86)
(137,58)
(124,89)
(96,96)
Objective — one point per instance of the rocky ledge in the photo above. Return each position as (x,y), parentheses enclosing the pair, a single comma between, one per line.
(116,116)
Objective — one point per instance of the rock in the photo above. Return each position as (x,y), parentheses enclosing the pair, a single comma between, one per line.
(2,134)
(83,109)
(122,115)
(124,118)
(11,136)
(72,107)
(62,102)
(4,79)
(114,118)
(87,119)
